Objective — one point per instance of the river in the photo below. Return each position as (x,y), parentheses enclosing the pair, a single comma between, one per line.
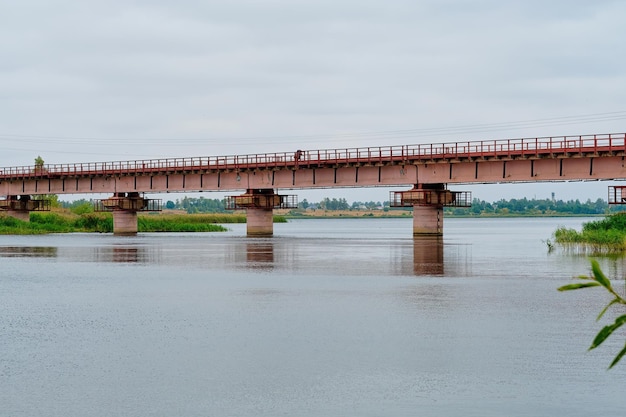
(330,317)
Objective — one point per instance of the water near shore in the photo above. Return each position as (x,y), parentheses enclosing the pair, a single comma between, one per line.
(330,317)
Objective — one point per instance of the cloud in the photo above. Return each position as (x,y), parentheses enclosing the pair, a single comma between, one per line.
(124,80)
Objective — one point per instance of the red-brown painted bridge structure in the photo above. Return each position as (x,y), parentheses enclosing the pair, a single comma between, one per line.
(428,168)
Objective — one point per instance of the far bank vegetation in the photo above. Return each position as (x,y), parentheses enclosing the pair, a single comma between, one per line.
(205,214)
(332,207)
(59,221)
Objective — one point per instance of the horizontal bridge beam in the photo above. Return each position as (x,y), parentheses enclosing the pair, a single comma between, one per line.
(484,171)
(501,149)
(586,157)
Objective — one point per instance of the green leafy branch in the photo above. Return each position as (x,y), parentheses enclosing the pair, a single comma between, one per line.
(596,280)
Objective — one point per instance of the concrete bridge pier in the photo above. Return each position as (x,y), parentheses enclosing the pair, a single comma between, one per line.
(427,220)
(259,221)
(428,201)
(124,208)
(23,215)
(125,222)
(19,207)
(259,204)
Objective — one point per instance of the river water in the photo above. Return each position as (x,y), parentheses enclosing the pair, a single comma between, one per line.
(330,317)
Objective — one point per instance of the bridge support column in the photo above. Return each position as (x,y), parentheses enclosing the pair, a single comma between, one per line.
(19,214)
(427,220)
(124,207)
(428,201)
(124,222)
(259,205)
(259,221)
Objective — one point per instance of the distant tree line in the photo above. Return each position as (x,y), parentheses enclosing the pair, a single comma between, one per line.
(197,205)
(342,204)
(533,207)
(523,206)
(190,205)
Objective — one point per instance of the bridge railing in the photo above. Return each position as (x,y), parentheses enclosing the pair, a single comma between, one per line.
(527,147)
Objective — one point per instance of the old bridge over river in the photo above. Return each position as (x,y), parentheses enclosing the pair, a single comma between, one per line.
(427,168)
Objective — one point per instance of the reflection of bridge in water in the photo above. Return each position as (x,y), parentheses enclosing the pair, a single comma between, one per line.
(420,256)
(427,168)
(426,257)
(28,252)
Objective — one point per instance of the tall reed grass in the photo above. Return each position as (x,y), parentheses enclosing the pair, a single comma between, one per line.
(596,237)
(67,222)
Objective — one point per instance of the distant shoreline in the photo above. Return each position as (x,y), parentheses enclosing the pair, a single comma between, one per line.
(341,214)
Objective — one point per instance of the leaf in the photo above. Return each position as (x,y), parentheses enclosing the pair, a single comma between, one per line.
(618,357)
(599,275)
(614,301)
(607,331)
(577,286)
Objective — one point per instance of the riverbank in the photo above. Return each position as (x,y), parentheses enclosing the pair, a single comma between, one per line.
(408,213)
(63,221)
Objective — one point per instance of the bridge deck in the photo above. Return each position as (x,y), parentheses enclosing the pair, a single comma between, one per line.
(507,149)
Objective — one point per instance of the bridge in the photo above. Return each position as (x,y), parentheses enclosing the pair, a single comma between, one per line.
(427,168)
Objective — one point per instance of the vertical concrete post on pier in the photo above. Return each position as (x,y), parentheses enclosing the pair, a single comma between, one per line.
(259,204)
(260,221)
(19,214)
(428,201)
(427,220)
(124,208)
(428,209)
(125,222)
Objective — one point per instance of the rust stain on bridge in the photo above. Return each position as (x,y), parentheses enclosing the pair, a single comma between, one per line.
(565,158)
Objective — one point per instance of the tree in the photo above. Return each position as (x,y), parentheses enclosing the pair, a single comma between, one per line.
(599,279)
(53,199)
(82,207)
(170,205)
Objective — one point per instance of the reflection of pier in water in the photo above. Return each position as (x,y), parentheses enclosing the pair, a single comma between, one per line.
(28,251)
(428,255)
(420,256)
(260,254)
(423,256)
(116,253)
(128,254)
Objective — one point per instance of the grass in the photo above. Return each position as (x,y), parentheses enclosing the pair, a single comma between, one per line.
(64,221)
(185,222)
(601,236)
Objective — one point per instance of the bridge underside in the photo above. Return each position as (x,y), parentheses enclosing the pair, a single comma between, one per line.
(341,175)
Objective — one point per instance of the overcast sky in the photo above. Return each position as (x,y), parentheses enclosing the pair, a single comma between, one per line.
(118,80)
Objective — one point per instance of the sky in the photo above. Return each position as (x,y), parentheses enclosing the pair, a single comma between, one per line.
(86,81)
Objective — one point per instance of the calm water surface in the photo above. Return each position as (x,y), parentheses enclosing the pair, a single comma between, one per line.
(339,317)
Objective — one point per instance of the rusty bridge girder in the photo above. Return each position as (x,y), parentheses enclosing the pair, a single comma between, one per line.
(430,195)
(24,203)
(127,202)
(261,198)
